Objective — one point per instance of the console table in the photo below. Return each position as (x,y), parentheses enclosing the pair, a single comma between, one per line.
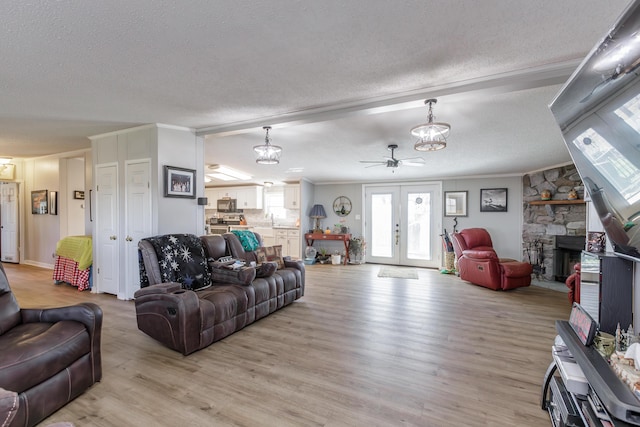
(345,238)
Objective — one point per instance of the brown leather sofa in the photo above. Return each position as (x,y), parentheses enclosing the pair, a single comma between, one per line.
(47,356)
(191,306)
(479,263)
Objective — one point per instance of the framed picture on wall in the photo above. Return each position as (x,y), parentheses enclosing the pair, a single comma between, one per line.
(455,203)
(39,202)
(493,200)
(179,182)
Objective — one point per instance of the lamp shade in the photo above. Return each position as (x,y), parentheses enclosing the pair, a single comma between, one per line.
(317,211)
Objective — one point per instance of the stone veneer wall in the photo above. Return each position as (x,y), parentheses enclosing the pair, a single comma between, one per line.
(544,222)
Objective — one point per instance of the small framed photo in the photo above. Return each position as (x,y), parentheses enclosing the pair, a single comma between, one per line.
(493,200)
(39,202)
(455,203)
(179,182)
(78,195)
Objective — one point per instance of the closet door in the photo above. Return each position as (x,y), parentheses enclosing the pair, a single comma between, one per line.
(138,220)
(9,223)
(107,265)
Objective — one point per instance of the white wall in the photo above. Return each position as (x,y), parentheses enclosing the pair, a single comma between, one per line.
(73,210)
(505,227)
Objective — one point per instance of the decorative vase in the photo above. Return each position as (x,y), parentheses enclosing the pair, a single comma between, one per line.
(573,195)
(545,195)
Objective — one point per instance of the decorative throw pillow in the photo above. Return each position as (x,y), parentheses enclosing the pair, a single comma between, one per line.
(248,240)
(266,269)
(270,253)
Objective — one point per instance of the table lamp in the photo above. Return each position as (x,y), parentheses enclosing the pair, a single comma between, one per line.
(317,213)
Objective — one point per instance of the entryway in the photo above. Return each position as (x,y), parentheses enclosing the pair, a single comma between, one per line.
(402,224)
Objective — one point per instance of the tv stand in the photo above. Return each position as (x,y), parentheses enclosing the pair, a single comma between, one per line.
(615,396)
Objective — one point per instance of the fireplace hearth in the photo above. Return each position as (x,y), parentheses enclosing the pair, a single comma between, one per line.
(565,255)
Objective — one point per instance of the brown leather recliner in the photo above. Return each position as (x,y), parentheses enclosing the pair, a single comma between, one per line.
(47,356)
(479,264)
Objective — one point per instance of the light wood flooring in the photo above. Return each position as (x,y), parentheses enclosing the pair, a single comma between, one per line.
(356,350)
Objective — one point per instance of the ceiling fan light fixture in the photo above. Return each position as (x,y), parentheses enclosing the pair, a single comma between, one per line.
(432,135)
(268,154)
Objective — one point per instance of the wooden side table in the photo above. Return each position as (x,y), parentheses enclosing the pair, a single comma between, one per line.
(346,239)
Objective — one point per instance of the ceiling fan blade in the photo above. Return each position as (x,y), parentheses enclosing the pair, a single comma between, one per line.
(378,164)
(413,161)
(373,161)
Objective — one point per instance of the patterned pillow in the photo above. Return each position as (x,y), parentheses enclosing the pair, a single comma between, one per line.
(270,253)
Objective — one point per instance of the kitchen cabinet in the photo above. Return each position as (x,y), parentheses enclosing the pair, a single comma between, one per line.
(292,196)
(249,197)
(212,195)
(290,241)
(267,234)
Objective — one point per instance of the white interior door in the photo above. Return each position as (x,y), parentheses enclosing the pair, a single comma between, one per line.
(402,224)
(107,265)
(9,214)
(138,220)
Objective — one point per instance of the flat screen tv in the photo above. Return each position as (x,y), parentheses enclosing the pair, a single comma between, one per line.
(598,111)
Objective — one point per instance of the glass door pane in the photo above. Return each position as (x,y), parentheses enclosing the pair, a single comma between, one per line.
(381,222)
(418,226)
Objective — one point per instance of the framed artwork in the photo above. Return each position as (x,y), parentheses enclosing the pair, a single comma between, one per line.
(53,203)
(78,195)
(493,200)
(455,203)
(179,182)
(342,206)
(8,172)
(39,202)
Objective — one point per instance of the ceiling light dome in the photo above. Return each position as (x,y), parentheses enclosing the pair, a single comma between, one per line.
(267,154)
(432,135)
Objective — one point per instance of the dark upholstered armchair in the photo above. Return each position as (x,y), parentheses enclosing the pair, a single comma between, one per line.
(479,264)
(47,356)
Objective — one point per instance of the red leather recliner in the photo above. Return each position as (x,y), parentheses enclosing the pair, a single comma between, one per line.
(479,264)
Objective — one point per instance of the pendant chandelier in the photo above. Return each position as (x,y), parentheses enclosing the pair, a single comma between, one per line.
(267,154)
(432,135)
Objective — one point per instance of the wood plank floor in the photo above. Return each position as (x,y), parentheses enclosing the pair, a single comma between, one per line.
(356,350)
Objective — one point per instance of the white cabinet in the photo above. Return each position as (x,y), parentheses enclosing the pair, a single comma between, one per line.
(212,195)
(290,241)
(267,234)
(292,196)
(249,197)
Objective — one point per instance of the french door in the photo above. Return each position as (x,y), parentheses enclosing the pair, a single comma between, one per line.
(402,224)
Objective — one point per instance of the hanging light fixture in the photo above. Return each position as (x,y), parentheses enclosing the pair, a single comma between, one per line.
(267,154)
(432,135)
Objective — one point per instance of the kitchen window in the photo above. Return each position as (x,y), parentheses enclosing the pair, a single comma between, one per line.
(274,203)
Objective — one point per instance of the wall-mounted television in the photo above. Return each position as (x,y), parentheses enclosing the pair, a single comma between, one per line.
(598,111)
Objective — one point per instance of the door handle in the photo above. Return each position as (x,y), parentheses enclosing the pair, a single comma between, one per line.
(397,234)
(112,237)
(129,239)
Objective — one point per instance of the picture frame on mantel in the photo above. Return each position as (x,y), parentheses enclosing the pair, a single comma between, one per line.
(493,200)
(455,203)
(179,182)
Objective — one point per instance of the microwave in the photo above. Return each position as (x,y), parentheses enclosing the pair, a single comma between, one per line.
(227,205)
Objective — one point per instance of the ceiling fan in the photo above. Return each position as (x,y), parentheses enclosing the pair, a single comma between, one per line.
(392,162)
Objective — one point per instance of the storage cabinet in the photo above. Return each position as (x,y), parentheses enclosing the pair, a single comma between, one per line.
(290,241)
(292,196)
(247,197)
(606,286)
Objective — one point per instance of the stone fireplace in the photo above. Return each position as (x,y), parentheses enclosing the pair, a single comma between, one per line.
(549,223)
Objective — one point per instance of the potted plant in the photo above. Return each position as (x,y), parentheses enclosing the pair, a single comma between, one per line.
(323,256)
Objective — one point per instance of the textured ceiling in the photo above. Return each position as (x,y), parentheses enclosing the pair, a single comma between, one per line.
(338,80)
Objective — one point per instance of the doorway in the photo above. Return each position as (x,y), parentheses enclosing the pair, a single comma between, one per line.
(402,224)
(9,226)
